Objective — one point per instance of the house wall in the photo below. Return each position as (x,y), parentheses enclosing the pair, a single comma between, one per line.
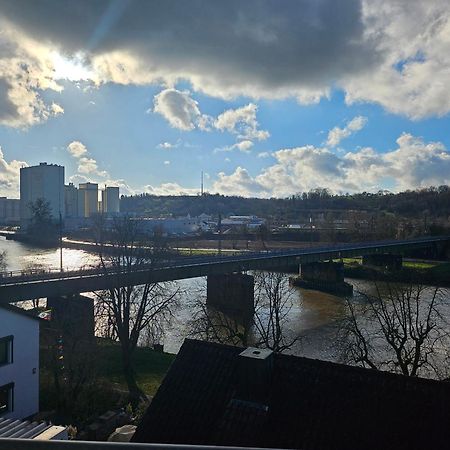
(24,371)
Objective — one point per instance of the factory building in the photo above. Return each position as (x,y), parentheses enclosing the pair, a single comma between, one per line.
(87,199)
(9,211)
(71,200)
(45,181)
(110,200)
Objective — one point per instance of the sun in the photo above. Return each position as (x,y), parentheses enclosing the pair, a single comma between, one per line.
(72,69)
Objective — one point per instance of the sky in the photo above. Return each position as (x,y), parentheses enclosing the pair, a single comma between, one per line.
(267,98)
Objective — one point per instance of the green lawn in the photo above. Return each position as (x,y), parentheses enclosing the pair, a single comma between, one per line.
(150,366)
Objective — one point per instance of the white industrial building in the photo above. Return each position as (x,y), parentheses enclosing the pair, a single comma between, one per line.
(87,199)
(110,200)
(9,211)
(45,181)
(71,200)
(19,363)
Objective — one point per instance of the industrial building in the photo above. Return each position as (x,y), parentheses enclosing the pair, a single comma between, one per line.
(9,211)
(87,199)
(71,200)
(45,181)
(110,200)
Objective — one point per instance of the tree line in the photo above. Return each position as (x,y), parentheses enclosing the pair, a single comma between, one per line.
(432,202)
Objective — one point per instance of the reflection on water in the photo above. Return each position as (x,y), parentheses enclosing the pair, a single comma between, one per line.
(20,256)
(314,315)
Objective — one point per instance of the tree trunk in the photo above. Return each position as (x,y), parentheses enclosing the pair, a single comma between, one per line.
(135,392)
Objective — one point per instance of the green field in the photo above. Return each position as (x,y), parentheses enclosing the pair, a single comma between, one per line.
(150,366)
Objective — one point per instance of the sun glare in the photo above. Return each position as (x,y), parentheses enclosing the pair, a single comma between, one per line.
(73,69)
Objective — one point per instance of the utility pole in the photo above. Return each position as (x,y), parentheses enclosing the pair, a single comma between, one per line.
(60,243)
(201,185)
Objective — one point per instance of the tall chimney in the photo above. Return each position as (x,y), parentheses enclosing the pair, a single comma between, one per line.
(254,375)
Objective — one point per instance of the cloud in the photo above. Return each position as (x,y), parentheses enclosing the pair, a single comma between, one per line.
(167,163)
(86,164)
(9,176)
(336,135)
(243,146)
(25,71)
(242,122)
(169,145)
(170,189)
(395,53)
(180,110)
(412,164)
(183,112)
(77,149)
(411,78)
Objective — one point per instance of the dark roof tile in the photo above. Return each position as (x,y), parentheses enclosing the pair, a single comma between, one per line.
(311,404)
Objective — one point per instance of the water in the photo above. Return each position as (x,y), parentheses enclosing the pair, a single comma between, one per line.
(314,315)
(20,256)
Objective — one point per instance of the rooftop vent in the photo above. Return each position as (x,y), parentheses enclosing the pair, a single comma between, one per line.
(254,375)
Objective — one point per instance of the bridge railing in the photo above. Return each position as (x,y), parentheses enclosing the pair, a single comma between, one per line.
(18,276)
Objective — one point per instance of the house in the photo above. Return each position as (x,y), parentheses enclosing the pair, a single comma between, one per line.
(19,363)
(221,395)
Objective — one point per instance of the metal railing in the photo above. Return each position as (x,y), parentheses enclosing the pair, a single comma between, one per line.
(20,276)
(33,444)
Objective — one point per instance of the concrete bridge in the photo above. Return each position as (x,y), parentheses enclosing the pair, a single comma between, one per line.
(17,287)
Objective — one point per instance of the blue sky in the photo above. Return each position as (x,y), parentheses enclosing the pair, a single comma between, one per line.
(260,111)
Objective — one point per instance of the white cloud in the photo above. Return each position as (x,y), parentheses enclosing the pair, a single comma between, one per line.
(168,145)
(86,164)
(167,163)
(395,53)
(242,122)
(243,146)
(336,135)
(413,163)
(170,189)
(25,71)
(183,112)
(264,155)
(180,110)
(77,149)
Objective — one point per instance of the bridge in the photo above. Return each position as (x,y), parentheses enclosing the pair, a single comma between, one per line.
(16,287)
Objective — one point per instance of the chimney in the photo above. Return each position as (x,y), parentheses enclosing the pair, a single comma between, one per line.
(254,375)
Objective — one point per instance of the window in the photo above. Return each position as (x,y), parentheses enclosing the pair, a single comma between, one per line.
(6,350)
(6,398)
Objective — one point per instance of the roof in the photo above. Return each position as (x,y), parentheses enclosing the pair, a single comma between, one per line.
(311,404)
(21,429)
(20,311)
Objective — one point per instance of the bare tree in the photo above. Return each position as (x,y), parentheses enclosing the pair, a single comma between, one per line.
(215,326)
(399,329)
(273,302)
(268,327)
(132,309)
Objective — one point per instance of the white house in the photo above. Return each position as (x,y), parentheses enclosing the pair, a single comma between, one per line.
(19,363)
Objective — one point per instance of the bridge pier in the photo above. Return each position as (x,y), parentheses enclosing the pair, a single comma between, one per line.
(232,294)
(387,261)
(323,276)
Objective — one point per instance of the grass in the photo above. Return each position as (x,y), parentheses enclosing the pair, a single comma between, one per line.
(150,366)
(108,389)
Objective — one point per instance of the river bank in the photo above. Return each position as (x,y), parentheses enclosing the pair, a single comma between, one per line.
(436,275)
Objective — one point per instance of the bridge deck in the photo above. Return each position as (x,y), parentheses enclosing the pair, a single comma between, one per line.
(35,285)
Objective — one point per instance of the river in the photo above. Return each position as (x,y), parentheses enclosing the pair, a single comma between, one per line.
(313,315)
